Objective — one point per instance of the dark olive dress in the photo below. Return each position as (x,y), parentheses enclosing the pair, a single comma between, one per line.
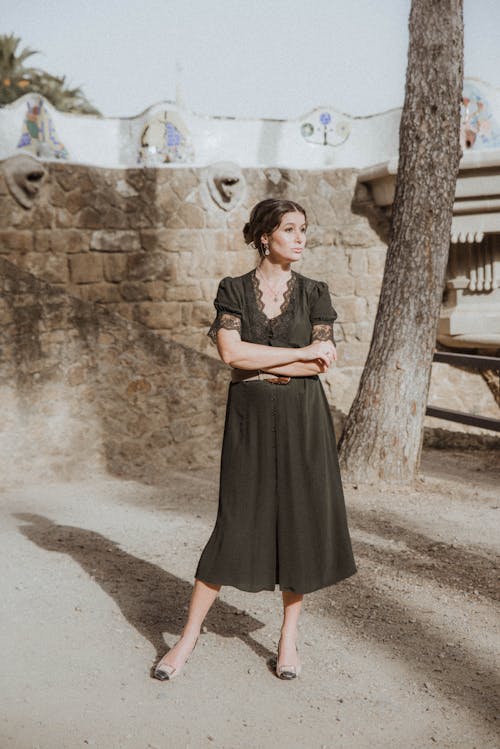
(281,517)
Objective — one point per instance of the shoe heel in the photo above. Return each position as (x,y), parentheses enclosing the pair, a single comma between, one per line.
(168,672)
(287,672)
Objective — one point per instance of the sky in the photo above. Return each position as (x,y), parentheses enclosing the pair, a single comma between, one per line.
(238,58)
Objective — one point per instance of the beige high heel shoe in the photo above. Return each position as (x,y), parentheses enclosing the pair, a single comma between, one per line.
(287,672)
(170,672)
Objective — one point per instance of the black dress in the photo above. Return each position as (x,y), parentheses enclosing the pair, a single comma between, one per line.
(281,517)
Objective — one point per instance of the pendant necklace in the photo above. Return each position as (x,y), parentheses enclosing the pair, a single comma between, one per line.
(274,291)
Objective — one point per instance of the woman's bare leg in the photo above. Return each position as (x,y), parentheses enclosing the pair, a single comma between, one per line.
(292,604)
(202,598)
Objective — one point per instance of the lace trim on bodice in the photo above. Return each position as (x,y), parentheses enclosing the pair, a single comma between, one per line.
(260,323)
(224,320)
(322,331)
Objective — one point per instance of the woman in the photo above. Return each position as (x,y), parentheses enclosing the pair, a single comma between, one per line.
(281,517)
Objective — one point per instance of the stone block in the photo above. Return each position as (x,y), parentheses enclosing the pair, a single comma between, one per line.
(74,201)
(217,242)
(352,353)
(186,320)
(124,309)
(65,176)
(114,218)
(183,293)
(162,315)
(58,197)
(368,285)
(358,234)
(103,293)
(115,241)
(209,288)
(134,291)
(86,268)
(62,241)
(172,240)
(151,266)
(88,218)
(376,261)
(184,183)
(49,267)
(192,215)
(239,263)
(350,309)
(43,240)
(115,266)
(13,240)
(202,314)
(345,331)
(166,199)
(342,285)
(358,262)
(188,266)
(156,290)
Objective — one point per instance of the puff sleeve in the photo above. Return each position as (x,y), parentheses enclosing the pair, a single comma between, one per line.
(321,313)
(228,307)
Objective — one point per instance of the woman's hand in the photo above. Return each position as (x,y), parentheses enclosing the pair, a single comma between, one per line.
(324,351)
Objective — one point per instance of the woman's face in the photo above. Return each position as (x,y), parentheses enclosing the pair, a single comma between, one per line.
(287,242)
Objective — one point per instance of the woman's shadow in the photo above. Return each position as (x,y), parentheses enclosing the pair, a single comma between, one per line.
(150,598)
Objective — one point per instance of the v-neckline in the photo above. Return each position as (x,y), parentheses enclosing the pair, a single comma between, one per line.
(258,294)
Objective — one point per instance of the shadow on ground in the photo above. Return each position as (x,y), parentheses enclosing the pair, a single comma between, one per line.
(151,599)
(438,665)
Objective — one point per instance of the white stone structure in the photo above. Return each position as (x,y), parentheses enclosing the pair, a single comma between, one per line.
(470,315)
(169,135)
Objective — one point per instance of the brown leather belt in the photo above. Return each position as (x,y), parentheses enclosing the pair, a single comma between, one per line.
(239,375)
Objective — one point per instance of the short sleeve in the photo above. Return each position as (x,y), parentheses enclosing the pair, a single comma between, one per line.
(228,308)
(321,313)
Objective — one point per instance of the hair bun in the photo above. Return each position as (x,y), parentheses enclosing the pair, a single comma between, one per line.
(246,233)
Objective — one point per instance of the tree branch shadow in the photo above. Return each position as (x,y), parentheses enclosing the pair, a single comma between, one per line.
(450,668)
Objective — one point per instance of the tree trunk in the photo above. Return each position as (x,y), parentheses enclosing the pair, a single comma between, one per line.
(382,438)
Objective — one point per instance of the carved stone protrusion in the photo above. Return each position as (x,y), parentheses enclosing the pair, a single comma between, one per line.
(24,176)
(226,184)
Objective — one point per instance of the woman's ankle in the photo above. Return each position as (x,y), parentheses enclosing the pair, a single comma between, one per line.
(289,633)
(190,633)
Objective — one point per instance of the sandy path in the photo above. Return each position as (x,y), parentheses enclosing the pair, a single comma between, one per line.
(97,576)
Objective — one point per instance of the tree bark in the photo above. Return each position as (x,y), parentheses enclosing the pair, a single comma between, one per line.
(382,438)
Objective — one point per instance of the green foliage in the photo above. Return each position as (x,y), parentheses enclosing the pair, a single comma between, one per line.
(17,79)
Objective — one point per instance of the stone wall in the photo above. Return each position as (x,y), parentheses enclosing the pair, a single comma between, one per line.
(83,391)
(152,245)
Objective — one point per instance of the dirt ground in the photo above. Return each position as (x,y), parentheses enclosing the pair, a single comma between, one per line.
(96,580)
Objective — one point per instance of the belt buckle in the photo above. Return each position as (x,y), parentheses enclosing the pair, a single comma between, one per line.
(279,380)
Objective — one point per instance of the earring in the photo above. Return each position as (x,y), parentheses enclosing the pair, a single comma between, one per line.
(266,249)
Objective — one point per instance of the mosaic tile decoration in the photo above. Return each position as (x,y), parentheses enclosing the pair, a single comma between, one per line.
(478,128)
(39,135)
(165,139)
(324,129)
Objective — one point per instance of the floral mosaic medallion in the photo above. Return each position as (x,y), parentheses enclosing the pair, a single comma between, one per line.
(165,139)
(478,129)
(324,129)
(39,135)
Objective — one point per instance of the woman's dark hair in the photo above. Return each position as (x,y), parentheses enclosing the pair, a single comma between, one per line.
(265,217)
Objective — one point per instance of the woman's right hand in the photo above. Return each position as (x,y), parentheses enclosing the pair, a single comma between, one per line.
(323,350)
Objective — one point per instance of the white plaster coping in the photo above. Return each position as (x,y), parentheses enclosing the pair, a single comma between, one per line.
(477,340)
(382,178)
